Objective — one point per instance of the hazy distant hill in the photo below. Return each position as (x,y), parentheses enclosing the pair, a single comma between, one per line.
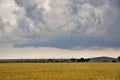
(102,59)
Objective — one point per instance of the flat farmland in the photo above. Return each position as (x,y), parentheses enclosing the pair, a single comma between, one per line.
(59,71)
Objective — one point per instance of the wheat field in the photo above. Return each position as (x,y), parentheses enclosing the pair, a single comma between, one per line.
(59,71)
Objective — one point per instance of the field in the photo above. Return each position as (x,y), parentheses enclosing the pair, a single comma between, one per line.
(59,71)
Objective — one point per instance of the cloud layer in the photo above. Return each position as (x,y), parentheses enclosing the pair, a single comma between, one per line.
(66,24)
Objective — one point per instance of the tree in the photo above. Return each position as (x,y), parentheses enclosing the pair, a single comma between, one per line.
(114,60)
(73,60)
(82,60)
(118,58)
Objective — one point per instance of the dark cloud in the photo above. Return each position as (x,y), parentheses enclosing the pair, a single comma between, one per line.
(73,43)
(2,25)
(97,3)
(63,24)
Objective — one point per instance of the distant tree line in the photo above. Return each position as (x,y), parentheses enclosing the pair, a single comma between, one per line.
(43,60)
(49,60)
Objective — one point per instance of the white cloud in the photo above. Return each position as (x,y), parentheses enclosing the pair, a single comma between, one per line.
(45,21)
(18,53)
(66,16)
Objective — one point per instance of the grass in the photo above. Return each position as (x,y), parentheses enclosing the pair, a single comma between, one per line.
(59,71)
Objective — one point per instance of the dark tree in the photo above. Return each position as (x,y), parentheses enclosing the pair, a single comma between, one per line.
(118,58)
(73,60)
(114,60)
(82,60)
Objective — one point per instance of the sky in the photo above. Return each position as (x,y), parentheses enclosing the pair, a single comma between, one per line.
(59,28)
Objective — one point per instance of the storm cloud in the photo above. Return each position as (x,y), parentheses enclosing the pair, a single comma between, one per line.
(69,24)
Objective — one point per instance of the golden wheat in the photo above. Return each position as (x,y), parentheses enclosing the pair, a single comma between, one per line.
(60,71)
